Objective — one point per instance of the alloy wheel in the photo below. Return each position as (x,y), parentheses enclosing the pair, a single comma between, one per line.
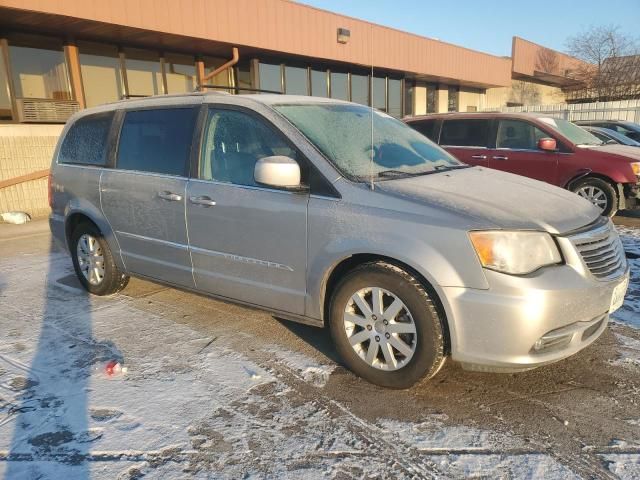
(380,328)
(595,195)
(90,259)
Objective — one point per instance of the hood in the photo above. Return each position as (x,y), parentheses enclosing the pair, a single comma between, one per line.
(502,199)
(631,154)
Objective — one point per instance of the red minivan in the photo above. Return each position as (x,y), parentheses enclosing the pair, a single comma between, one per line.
(541,147)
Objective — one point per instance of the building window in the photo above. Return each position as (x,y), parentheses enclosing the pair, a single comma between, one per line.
(319,83)
(101,73)
(432,98)
(296,80)
(270,77)
(454,94)
(39,68)
(339,85)
(409,94)
(222,79)
(243,76)
(394,93)
(379,93)
(180,71)
(144,73)
(5,99)
(360,89)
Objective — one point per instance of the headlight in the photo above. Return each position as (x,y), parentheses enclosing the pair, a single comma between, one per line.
(636,168)
(516,253)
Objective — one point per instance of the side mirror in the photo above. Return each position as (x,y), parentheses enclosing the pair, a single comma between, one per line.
(547,144)
(279,172)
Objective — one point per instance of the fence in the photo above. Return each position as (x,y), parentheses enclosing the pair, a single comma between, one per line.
(26,151)
(628,110)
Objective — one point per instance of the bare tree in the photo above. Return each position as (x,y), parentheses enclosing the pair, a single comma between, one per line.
(547,61)
(610,71)
(524,93)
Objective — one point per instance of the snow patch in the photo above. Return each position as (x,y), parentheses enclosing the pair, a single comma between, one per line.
(629,351)
(308,369)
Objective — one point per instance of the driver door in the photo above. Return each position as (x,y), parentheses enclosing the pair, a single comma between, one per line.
(248,242)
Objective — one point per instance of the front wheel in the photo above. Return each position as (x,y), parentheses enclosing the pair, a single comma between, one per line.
(599,192)
(93,262)
(385,326)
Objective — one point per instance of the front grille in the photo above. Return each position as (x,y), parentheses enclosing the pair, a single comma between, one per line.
(601,251)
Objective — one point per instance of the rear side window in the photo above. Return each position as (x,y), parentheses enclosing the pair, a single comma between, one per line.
(157,140)
(86,141)
(465,133)
(426,128)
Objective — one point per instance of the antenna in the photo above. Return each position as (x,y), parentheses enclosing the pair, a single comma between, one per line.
(371,102)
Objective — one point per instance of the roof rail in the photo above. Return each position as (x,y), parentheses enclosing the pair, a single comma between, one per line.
(237,89)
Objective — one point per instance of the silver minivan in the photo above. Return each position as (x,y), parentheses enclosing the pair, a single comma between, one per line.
(332,214)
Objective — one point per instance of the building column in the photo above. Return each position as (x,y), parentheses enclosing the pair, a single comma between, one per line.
(442,99)
(4,57)
(200,74)
(75,75)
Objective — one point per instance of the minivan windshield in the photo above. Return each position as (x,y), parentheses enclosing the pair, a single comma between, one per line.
(577,135)
(351,135)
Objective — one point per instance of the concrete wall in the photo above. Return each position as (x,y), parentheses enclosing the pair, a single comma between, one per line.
(25,149)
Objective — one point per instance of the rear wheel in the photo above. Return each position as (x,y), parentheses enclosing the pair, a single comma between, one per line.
(385,327)
(599,192)
(93,261)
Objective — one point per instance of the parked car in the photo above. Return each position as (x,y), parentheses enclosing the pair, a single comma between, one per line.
(628,129)
(611,136)
(284,203)
(541,147)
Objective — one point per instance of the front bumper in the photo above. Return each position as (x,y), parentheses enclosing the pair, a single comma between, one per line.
(497,329)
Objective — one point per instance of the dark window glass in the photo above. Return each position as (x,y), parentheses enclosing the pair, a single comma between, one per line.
(454,94)
(144,72)
(5,101)
(86,140)
(518,135)
(409,94)
(319,83)
(465,133)
(157,140)
(395,98)
(180,71)
(339,86)
(432,98)
(243,76)
(270,77)
(378,93)
(426,128)
(233,143)
(295,81)
(360,89)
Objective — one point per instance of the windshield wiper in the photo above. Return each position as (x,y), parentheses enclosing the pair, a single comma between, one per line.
(444,168)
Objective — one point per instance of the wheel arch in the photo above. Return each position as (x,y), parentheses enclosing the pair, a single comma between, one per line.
(617,186)
(353,261)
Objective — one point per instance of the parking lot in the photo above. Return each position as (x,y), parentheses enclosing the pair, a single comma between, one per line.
(160,383)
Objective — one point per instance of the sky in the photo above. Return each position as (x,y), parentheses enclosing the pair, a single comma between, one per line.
(489,25)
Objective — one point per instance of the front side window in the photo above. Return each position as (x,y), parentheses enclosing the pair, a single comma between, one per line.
(157,140)
(465,133)
(518,135)
(86,140)
(233,142)
(344,134)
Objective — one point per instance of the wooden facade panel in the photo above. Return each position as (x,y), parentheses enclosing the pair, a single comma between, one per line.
(281,26)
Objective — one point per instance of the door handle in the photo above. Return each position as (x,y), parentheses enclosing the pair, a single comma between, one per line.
(500,157)
(479,157)
(172,197)
(204,201)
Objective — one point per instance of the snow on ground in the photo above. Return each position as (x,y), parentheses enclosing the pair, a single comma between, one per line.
(193,405)
(189,406)
(629,313)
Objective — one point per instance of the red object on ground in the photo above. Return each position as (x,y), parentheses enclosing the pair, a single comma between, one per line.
(110,368)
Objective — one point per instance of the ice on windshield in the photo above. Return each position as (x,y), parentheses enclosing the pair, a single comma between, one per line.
(350,135)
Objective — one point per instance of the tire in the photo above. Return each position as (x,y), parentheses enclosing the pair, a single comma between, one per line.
(93,243)
(599,192)
(416,324)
